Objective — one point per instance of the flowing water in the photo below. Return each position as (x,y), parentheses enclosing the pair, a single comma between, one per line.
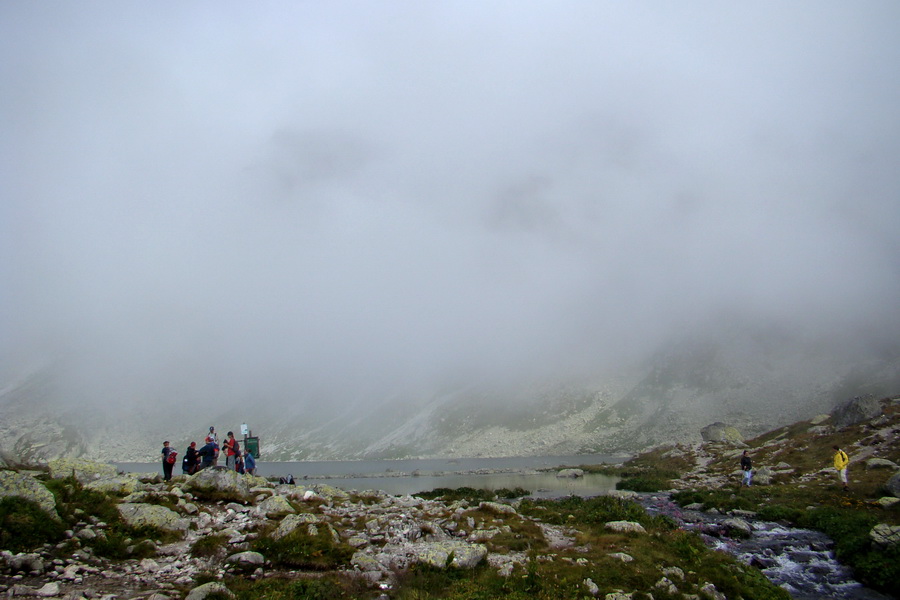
(799,560)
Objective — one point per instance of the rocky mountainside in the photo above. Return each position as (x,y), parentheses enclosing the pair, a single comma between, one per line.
(754,385)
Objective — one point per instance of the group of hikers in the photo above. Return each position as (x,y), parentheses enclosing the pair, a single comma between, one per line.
(195,460)
(840,459)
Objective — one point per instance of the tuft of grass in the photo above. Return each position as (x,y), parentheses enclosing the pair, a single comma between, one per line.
(300,550)
(643,483)
(24,525)
(482,583)
(328,587)
(74,501)
(592,512)
(208,546)
(471,494)
(780,512)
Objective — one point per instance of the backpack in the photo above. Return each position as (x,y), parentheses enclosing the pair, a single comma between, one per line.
(170,458)
(236,447)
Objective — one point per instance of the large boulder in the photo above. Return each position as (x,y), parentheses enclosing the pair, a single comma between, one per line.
(856,410)
(246,560)
(570,473)
(330,492)
(885,536)
(881,463)
(118,484)
(720,432)
(219,480)
(625,527)
(737,528)
(207,589)
(449,553)
(274,506)
(292,522)
(26,486)
(893,485)
(152,515)
(81,469)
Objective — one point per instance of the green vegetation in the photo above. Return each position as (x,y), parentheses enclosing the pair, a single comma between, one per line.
(471,494)
(329,587)
(24,525)
(643,484)
(75,504)
(210,545)
(302,550)
(649,472)
(592,513)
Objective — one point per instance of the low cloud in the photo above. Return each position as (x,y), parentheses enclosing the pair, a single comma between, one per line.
(341,202)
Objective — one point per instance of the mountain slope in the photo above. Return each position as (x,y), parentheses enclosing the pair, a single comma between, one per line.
(754,383)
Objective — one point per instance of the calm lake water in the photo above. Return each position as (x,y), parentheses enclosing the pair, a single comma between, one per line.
(418,475)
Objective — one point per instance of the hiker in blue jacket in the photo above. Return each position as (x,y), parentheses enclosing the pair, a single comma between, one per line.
(249,463)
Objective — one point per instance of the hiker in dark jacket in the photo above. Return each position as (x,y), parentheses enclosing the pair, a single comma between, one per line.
(207,454)
(166,465)
(747,467)
(189,462)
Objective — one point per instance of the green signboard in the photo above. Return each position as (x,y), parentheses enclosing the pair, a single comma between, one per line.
(252,444)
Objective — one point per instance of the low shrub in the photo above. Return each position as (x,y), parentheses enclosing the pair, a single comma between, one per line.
(597,511)
(471,494)
(208,546)
(780,512)
(300,550)
(327,587)
(24,525)
(642,484)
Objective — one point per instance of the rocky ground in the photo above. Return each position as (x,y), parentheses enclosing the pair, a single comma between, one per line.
(219,533)
(795,483)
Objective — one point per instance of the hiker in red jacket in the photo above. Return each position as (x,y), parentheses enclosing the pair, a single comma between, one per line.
(231,450)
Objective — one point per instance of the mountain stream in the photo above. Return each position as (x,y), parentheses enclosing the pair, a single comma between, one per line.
(799,560)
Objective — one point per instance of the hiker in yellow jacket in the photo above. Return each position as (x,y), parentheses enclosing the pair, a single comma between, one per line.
(841,460)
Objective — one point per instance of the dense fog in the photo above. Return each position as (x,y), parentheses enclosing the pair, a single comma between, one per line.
(224,202)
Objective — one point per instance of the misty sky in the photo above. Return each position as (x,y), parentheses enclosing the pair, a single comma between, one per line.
(253,200)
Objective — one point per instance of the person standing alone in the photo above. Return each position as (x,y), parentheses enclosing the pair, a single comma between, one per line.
(841,461)
(166,464)
(747,467)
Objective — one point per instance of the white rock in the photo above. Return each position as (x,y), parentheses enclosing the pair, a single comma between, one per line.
(48,589)
(622,556)
(625,527)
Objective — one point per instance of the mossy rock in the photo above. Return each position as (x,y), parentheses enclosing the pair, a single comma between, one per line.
(152,515)
(219,481)
(22,485)
(120,484)
(81,469)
